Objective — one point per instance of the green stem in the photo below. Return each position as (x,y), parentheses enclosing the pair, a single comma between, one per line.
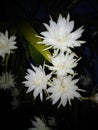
(6,61)
(86,98)
(6,65)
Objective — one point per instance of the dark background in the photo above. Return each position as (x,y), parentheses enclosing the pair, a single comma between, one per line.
(81,115)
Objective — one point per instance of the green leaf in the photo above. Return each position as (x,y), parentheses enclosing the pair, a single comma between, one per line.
(30,35)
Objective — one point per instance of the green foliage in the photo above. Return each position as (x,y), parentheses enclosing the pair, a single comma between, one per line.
(30,35)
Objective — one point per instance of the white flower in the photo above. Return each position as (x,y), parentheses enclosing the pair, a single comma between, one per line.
(7,81)
(63,64)
(6,44)
(39,125)
(95,98)
(85,80)
(63,89)
(36,80)
(60,36)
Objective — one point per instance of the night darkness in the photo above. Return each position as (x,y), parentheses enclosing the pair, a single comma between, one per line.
(82,114)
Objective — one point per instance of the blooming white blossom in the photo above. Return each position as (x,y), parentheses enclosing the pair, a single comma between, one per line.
(85,80)
(60,35)
(63,89)
(6,44)
(39,125)
(7,81)
(36,80)
(95,98)
(63,64)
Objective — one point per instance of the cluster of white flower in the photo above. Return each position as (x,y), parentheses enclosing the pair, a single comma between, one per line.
(62,86)
(6,46)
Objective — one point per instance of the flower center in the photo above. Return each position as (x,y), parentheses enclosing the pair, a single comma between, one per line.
(60,66)
(61,40)
(3,45)
(38,82)
(64,87)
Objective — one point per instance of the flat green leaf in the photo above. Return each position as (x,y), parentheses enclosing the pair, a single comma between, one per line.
(30,35)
